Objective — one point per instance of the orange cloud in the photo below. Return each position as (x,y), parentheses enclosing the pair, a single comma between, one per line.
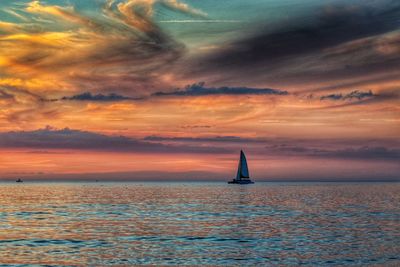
(120,46)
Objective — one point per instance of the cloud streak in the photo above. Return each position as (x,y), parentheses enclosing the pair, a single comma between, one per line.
(49,138)
(218,139)
(199,89)
(341,149)
(354,152)
(354,95)
(112,97)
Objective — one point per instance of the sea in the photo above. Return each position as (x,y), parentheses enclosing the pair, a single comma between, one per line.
(199,224)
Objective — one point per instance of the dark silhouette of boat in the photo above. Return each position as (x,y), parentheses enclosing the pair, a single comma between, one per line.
(242,176)
(19,181)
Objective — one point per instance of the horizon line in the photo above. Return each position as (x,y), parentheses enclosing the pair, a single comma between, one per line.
(150,180)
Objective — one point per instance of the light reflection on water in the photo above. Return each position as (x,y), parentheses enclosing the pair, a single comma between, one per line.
(199,224)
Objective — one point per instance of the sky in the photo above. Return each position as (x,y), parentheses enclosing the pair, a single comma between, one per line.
(174,89)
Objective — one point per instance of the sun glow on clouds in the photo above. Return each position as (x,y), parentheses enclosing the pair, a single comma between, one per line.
(121,67)
(119,45)
(29,163)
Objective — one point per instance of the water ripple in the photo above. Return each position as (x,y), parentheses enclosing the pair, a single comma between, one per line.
(199,224)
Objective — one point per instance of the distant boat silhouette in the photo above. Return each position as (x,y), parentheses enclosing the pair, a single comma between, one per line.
(242,176)
(19,181)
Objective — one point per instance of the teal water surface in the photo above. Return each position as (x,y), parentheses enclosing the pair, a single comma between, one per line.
(213,224)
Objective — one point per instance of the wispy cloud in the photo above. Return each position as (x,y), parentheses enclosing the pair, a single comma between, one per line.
(354,95)
(20,105)
(119,45)
(182,7)
(357,98)
(353,152)
(5,95)
(201,21)
(218,139)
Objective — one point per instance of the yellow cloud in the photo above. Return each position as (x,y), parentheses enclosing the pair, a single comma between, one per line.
(118,47)
(7,27)
(179,6)
(66,13)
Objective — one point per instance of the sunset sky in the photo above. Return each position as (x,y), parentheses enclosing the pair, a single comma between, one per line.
(173,89)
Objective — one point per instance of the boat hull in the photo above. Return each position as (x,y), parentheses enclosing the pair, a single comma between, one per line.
(234,181)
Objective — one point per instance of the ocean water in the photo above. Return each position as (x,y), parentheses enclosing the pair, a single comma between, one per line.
(213,224)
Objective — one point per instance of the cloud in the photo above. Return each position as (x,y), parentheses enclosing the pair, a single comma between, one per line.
(357,98)
(7,27)
(50,138)
(199,89)
(354,95)
(355,149)
(363,152)
(121,46)
(196,126)
(329,44)
(367,152)
(364,81)
(67,13)
(112,97)
(20,106)
(182,7)
(222,139)
(5,95)
(200,21)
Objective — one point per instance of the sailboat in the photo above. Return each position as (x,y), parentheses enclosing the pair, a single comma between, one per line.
(242,176)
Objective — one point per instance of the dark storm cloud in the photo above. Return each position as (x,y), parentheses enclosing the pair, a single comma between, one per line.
(335,25)
(354,95)
(199,89)
(306,49)
(49,138)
